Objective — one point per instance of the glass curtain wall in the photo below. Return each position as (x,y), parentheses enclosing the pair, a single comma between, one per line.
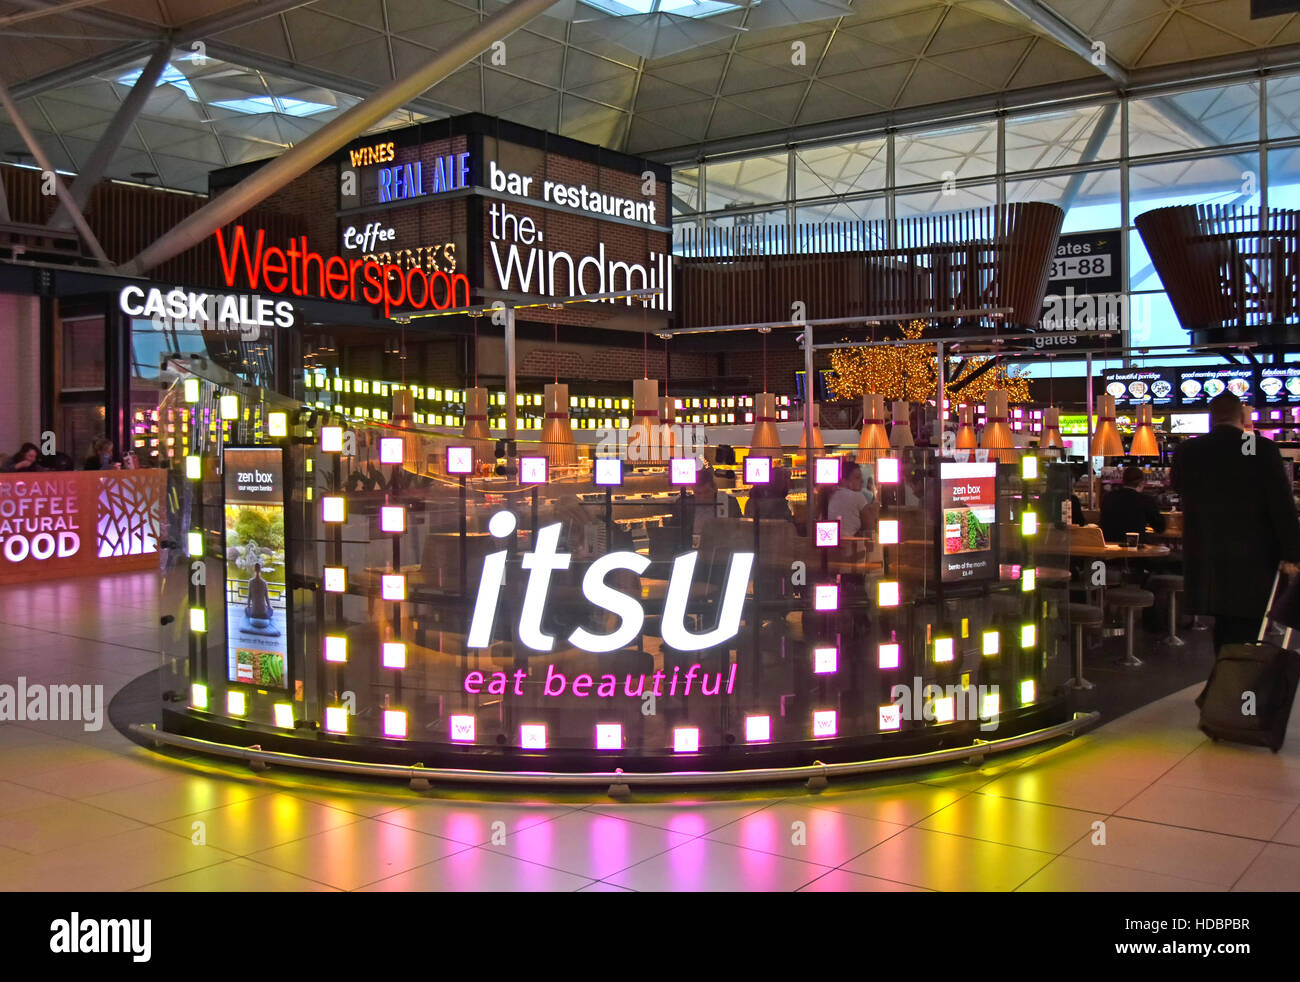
(1103,163)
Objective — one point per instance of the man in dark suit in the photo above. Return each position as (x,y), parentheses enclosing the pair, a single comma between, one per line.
(1126,509)
(1239,523)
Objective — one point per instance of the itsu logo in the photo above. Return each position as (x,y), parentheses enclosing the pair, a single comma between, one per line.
(546,558)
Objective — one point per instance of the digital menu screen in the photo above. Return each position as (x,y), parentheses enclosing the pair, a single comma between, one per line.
(1157,386)
(968,498)
(1280,384)
(257,602)
(1197,386)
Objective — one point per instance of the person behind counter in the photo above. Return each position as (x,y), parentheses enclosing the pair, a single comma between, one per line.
(769,500)
(101,456)
(1126,509)
(26,459)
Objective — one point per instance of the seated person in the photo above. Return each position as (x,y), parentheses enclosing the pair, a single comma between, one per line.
(769,500)
(1126,509)
(849,503)
(258,610)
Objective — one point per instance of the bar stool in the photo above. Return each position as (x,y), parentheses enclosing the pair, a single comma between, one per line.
(1081,616)
(1129,599)
(1172,583)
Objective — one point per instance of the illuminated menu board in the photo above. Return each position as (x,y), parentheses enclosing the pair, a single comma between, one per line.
(1156,386)
(1197,386)
(1280,384)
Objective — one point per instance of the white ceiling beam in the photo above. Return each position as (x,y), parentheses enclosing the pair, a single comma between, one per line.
(1052,24)
(109,60)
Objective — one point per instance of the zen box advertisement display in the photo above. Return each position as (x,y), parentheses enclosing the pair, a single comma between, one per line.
(1198,386)
(968,499)
(257,601)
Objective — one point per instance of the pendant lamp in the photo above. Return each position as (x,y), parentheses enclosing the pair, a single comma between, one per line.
(765,440)
(667,428)
(1106,441)
(477,432)
(815,410)
(997,435)
(966,439)
(1051,429)
(900,434)
(557,435)
(1144,437)
(643,434)
(875,441)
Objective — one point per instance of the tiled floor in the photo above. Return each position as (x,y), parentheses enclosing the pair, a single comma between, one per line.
(1143,803)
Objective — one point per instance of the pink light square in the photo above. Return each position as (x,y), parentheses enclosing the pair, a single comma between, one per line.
(891,717)
(336,579)
(609,736)
(533,470)
(827,470)
(392,518)
(532,736)
(331,439)
(392,586)
(686,740)
(394,654)
(394,723)
(758,470)
(889,654)
(758,729)
(828,534)
(683,470)
(887,470)
(391,450)
(888,594)
(460,460)
(462,729)
(824,723)
(609,471)
(826,596)
(825,660)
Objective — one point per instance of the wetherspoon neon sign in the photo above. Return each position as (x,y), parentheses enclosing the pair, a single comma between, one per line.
(546,559)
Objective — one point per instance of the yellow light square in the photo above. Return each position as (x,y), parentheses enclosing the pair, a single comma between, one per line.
(284,715)
(1029,467)
(992,642)
(1028,692)
(229,407)
(191,386)
(943,649)
(198,695)
(1028,636)
(1028,578)
(236,705)
(193,468)
(990,705)
(198,620)
(1029,523)
(277,424)
(194,543)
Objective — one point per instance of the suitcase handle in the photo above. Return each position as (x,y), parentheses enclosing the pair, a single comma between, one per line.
(1272,595)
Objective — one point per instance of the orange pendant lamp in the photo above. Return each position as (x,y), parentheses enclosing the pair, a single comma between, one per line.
(478,433)
(1144,437)
(667,428)
(765,440)
(557,435)
(1106,441)
(1051,429)
(997,436)
(643,435)
(900,434)
(874,441)
(815,410)
(966,439)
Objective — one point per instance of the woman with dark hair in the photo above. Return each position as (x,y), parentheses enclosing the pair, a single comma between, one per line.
(26,459)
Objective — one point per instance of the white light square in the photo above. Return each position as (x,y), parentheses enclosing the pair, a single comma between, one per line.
(889,655)
(336,719)
(1030,523)
(532,736)
(462,729)
(1027,580)
(683,470)
(826,596)
(758,729)
(887,532)
(392,518)
(887,470)
(825,660)
(332,509)
(277,424)
(1027,692)
(609,736)
(460,460)
(331,439)
(942,649)
(891,717)
(828,534)
(394,723)
(229,407)
(391,450)
(609,471)
(686,740)
(394,654)
(827,470)
(533,470)
(991,705)
(392,586)
(336,648)
(888,593)
(336,579)
(236,705)
(945,709)
(992,642)
(824,723)
(758,470)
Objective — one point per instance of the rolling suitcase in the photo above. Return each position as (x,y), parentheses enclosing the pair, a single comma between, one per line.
(1251,689)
